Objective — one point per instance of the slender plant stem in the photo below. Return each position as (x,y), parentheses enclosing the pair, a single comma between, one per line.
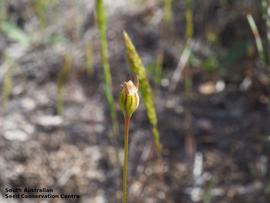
(102,25)
(125,167)
(257,36)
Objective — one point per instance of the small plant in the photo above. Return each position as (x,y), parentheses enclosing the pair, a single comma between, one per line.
(129,102)
(145,88)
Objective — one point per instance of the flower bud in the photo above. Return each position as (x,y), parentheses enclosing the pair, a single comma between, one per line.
(129,98)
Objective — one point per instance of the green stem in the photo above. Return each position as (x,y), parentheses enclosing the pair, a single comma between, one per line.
(102,26)
(125,167)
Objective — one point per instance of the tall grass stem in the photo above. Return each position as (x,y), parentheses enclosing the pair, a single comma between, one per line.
(102,26)
(257,36)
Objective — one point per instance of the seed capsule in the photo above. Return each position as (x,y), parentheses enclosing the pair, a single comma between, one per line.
(129,98)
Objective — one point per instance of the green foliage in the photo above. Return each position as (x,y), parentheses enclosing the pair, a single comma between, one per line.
(168,14)
(62,77)
(13,32)
(211,63)
(189,19)
(40,8)
(138,68)
(7,82)
(188,83)
(102,25)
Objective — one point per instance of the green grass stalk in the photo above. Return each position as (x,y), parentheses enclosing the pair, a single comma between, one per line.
(102,26)
(190,144)
(188,34)
(257,37)
(168,14)
(189,19)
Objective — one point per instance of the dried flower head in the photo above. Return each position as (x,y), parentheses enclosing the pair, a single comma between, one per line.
(129,98)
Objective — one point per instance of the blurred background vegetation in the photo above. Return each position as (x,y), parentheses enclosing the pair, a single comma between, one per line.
(205,65)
